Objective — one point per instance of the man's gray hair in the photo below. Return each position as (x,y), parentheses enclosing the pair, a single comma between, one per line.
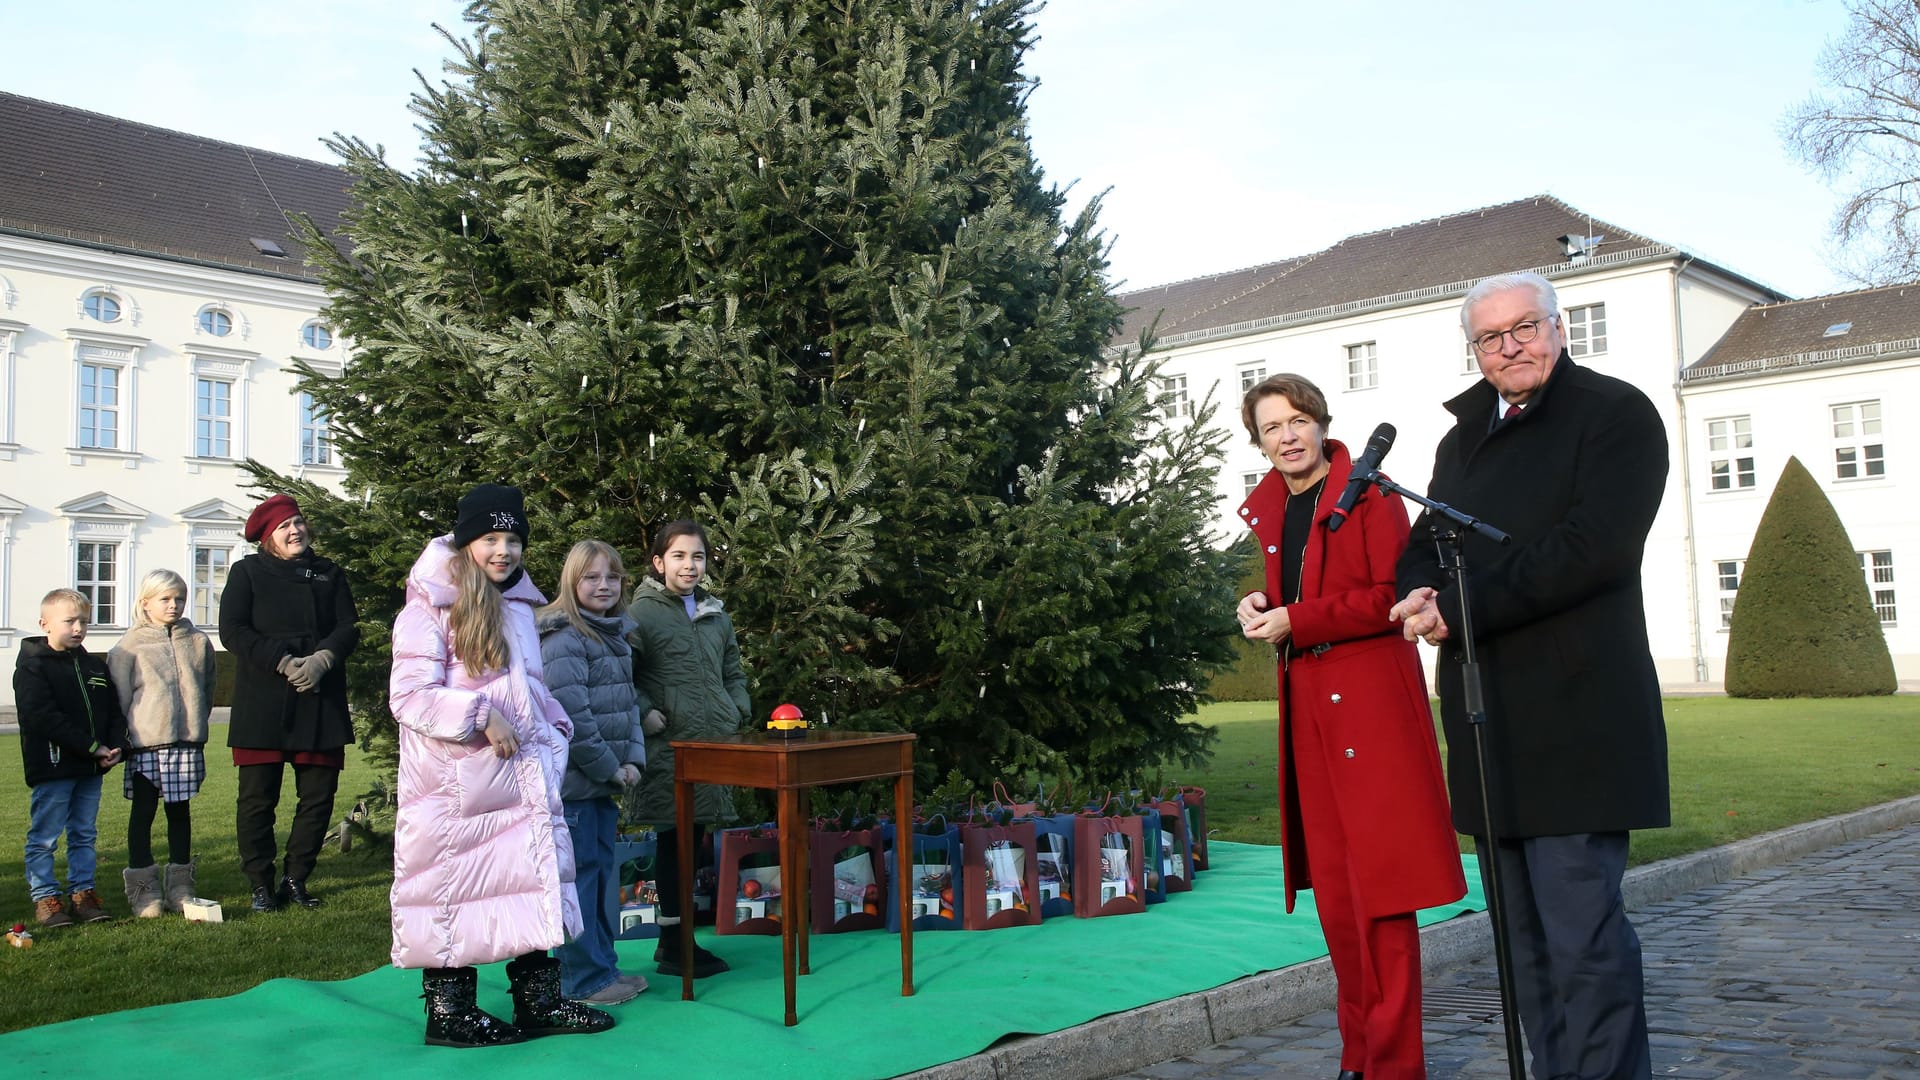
(1499,283)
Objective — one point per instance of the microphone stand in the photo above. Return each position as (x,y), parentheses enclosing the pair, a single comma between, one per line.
(1450,542)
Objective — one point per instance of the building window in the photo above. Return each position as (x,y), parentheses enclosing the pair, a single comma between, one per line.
(1363,366)
(212,418)
(100,306)
(1470,364)
(1252,376)
(316,437)
(215,322)
(1728,571)
(209,581)
(316,336)
(1878,567)
(96,576)
(1249,481)
(1860,453)
(99,407)
(1587,330)
(1730,469)
(1174,401)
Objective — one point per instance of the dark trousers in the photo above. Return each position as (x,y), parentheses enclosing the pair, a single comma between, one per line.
(254,819)
(666,862)
(1576,959)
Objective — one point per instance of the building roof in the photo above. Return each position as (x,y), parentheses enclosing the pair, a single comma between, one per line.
(75,176)
(1819,331)
(1405,264)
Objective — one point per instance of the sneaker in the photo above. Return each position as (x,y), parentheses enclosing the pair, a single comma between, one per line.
(617,992)
(87,907)
(638,982)
(50,912)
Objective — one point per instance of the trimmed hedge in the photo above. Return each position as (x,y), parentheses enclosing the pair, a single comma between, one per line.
(1803,621)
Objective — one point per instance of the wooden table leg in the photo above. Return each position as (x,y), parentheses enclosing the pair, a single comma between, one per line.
(683,822)
(790,824)
(903,864)
(803,892)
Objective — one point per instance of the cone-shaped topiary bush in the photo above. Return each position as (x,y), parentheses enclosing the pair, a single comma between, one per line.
(1803,623)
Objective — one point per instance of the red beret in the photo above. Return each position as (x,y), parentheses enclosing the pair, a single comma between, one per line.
(268,515)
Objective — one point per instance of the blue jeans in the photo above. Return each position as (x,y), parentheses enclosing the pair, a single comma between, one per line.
(70,806)
(587,963)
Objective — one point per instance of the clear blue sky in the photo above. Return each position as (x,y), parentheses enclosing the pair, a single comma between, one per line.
(1227,132)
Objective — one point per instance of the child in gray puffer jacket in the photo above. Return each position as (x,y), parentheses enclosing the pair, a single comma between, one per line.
(589,669)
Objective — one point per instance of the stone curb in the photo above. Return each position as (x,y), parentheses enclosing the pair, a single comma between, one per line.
(1122,1042)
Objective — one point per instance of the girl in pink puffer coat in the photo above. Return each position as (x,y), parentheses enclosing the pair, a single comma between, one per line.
(482,863)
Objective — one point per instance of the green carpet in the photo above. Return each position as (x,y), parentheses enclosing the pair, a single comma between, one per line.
(971,989)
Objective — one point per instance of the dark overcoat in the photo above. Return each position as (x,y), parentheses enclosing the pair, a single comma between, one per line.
(273,608)
(1575,735)
(1352,674)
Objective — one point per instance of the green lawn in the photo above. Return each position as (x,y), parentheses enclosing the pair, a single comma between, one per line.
(1739,768)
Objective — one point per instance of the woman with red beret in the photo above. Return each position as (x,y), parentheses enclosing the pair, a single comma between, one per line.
(288,618)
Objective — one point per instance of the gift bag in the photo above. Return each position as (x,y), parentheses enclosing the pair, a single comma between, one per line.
(1153,860)
(848,880)
(1176,846)
(930,880)
(635,887)
(1053,864)
(1107,865)
(748,896)
(999,875)
(1194,799)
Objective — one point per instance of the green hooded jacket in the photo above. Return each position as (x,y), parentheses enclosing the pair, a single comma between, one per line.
(689,669)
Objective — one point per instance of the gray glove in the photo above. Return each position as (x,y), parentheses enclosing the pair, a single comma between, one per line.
(306,672)
(285,664)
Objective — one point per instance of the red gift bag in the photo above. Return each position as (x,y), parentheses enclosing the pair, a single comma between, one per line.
(1195,800)
(1176,864)
(999,875)
(848,881)
(748,899)
(1108,865)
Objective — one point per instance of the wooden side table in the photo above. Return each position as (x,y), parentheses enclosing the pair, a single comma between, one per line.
(789,767)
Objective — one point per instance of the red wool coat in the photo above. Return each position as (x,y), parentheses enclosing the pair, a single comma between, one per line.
(1368,696)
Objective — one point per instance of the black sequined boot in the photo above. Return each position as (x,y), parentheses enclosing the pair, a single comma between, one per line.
(452,1017)
(539,1008)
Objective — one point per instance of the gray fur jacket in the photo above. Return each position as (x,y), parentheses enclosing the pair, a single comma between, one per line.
(591,675)
(164,677)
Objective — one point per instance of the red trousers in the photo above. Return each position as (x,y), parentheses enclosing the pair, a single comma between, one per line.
(1375,960)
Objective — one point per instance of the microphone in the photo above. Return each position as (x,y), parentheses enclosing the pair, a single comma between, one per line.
(1364,471)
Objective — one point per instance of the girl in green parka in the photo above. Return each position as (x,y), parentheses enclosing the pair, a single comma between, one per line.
(686,665)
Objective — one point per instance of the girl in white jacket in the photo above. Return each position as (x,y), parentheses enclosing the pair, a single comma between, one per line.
(163,671)
(482,863)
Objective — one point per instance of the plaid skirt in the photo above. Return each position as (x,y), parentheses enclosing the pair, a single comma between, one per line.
(176,770)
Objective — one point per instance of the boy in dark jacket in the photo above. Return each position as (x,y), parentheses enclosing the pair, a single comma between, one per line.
(71,731)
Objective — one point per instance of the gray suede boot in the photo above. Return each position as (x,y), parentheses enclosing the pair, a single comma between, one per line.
(143,890)
(180,887)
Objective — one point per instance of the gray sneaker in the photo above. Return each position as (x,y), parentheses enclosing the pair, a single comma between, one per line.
(616,992)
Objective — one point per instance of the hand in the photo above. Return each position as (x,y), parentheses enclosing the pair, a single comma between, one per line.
(628,775)
(500,733)
(1419,616)
(285,665)
(1273,626)
(1251,605)
(300,675)
(107,757)
(654,722)
(320,663)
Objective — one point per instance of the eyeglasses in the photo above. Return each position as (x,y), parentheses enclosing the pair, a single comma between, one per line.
(1521,333)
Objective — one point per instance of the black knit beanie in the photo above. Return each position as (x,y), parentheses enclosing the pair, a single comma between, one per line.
(490,508)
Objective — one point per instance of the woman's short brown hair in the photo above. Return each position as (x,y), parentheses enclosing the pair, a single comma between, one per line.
(1299,392)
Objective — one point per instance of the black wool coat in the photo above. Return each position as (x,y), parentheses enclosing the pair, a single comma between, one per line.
(1575,735)
(273,608)
(67,709)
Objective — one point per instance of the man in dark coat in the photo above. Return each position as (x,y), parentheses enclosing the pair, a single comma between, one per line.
(1572,464)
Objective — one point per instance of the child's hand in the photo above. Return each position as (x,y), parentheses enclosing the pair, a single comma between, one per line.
(500,734)
(628,775)
(107,757)
(654,722)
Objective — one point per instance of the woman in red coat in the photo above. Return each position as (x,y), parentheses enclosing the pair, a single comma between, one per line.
(1363,806)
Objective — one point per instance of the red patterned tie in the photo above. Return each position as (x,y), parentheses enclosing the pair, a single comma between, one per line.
(1512,411)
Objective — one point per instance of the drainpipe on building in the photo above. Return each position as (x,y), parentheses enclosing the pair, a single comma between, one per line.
(1686,486)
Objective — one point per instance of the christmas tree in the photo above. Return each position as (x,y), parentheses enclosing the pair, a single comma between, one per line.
(791,269)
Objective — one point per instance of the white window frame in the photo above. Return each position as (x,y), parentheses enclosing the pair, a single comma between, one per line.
(10,331)
(122,354)
(10,509)
(1249,481)
(1472,365)
(1363,366)
(213,417)
(1726,437)
(235,368)
(1252,375)
(1176,403)
(1877,567)
(1723,569)
(214,525)
(97,520)
(1586,328)
(303,424)
(312,325)
(1859,440)
(129,314)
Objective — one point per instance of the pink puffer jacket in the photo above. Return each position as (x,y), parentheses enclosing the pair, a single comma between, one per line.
(482,862)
